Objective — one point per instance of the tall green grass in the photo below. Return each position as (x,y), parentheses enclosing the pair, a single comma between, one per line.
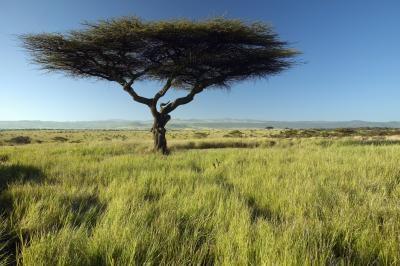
(294,202)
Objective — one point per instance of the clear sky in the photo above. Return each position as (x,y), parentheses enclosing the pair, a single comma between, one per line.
(351,51)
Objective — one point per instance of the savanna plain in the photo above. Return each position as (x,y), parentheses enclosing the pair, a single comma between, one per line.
(222,197)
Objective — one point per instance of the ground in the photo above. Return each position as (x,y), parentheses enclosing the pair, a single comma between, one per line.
(230,197)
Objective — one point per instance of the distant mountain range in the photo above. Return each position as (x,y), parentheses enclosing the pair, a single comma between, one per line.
(192,124)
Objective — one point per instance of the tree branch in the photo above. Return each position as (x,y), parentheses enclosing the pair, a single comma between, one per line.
(163,91)
(136,97)
(182,100)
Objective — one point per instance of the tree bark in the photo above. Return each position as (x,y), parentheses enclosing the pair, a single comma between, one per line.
(158,129)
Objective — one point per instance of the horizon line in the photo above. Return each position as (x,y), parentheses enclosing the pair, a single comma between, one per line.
(200,119)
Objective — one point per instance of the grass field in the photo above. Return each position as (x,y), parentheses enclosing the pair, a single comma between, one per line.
(259,197)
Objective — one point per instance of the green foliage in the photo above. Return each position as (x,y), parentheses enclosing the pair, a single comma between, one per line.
(234,134)
(200,135)
(212,52)
(299,201)
(20,140)
(60,139)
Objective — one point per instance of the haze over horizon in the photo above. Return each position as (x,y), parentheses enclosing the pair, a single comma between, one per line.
(197,119)
(193,124)
(350,72)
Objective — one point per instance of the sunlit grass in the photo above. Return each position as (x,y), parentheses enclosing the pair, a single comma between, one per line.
(214,200)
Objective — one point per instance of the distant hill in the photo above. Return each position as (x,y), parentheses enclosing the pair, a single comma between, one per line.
(192,123)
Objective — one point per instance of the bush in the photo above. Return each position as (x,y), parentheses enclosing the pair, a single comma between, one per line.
(20,140)
(200,135)
(60,139)
(234,134)
(346,131)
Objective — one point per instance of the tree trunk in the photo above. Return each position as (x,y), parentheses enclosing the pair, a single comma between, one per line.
(160,142)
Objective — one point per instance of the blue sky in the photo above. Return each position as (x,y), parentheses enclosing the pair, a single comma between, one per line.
(350,49)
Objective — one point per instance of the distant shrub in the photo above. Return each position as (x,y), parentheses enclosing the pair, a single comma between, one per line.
(20,140)
(346,131)
(337,132)
(289,133)
(60,139)
(234,134)
(200,135)
(120,136)
(325,134)
(269,127)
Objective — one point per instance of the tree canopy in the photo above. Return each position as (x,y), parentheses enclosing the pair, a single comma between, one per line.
(214,52)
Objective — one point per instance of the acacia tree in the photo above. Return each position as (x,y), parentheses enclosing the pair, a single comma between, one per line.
(183,54)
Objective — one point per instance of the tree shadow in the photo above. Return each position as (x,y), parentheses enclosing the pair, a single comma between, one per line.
(12,174)
(85,209)
(258,211)
(344,251)
(17,173)
(204,145)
